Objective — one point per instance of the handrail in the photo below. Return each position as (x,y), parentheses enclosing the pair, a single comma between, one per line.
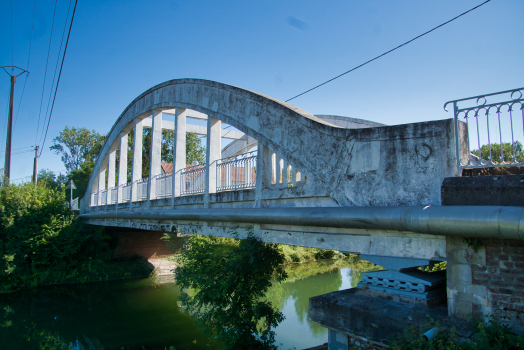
(497,141)
(163,184)
(236,172)
(141,188)
(126,191)
(193,179)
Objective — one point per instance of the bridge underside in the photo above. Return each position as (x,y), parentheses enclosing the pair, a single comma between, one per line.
(155,216)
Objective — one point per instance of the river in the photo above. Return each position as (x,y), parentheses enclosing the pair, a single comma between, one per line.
(145,314)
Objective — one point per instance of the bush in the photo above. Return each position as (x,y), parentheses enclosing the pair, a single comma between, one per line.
(492,336)
(41,240)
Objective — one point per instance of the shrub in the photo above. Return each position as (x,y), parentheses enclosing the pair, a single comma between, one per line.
(492,336)
(40,238)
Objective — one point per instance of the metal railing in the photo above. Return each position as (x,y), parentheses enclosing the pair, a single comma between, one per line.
(126,192)
(113,195)
(237,172)
(141,188)
(193,179)
(163,185)
(95,199)
(498,129)
(103,194)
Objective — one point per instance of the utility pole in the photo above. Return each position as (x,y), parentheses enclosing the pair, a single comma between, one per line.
(35,165)
(7,166)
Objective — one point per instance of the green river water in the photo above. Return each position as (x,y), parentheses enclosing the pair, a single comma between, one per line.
(145,314)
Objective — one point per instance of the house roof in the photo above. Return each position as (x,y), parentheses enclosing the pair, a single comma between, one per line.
(167,167)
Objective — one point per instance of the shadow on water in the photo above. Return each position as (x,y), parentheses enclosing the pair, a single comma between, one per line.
(98,316)
(145,313)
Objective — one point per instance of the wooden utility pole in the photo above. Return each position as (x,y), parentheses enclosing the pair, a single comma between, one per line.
(7,166)
(35,165)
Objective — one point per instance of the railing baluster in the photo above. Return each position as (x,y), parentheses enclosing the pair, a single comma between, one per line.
(506,129)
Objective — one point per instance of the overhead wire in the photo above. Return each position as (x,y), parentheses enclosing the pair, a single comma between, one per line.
(59,75)
(12,44)
(28,58)
(57,61)
(387,52)
(45,73)
(16,153)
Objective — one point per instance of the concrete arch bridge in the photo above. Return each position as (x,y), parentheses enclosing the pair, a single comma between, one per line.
(319,181)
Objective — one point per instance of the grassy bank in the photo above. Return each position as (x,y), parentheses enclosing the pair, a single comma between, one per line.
(222,246)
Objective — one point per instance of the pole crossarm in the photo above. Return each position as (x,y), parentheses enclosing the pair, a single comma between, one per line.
(12,68)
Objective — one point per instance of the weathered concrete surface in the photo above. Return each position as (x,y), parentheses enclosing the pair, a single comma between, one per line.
(398,165)
(240,146)
(507,190)
(352,311)
(356,241)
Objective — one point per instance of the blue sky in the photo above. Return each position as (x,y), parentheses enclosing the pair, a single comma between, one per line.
(118,49)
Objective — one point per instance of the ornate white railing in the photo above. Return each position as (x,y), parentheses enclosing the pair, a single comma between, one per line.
(103,194)
(94,198)
(237,172)
(498,129)
(193,179)
(126,192)
(163,185)
(113,195)
(141,188)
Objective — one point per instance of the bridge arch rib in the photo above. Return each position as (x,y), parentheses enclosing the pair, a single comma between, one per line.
(327,154)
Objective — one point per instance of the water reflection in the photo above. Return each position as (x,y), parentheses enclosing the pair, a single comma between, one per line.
(98,316)
(144,313)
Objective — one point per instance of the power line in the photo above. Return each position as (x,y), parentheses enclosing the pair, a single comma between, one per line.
(28,57)
(385,53)
(12,49)
(57,60)
(59,75)
(16,153)
(45,73)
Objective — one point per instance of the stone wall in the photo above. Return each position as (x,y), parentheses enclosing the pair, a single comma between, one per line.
(487,281)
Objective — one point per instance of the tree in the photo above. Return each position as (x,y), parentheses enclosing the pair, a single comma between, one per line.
(81,179)
(227,292)
(49,179)
(507,151)
(195,152)
(77,146)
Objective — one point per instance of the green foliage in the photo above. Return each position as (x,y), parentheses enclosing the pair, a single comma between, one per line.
(76,146)
(195,152)
(492,336)
(507,151)
(81,178)
(440,266)
(295,254)
(228,290)
(43,242)
(48,178)
(474,243)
